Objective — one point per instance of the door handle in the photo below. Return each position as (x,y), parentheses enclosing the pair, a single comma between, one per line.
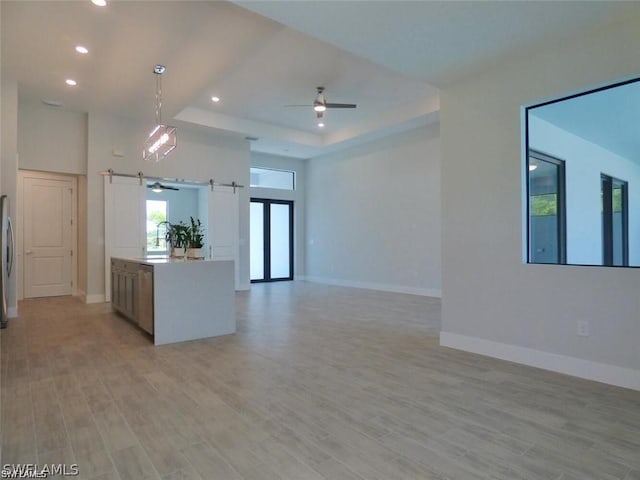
(11,246)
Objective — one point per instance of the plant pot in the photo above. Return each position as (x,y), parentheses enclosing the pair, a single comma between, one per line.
(195,252)
(178,252)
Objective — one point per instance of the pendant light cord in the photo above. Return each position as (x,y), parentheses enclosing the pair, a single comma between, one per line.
(158,99)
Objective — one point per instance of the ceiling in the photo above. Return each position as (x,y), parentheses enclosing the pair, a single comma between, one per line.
(260,56)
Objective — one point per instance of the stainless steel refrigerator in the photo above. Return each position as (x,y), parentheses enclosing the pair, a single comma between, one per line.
(6,257)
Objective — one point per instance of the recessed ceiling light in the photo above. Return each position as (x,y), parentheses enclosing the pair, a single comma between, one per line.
(99,3)
(215,99)
(71,82)
(82,50)
(321,125)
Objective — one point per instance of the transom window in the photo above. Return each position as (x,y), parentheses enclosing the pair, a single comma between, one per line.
(272,178)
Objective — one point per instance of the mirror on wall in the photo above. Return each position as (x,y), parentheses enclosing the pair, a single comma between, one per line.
(583,178)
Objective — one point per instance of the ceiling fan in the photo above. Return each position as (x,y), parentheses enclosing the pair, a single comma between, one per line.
(157,187)
(320,103)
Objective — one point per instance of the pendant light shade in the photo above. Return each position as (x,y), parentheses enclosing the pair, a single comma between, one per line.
(161,142)
(163,139)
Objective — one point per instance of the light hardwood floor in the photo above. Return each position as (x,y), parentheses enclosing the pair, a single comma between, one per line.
(319,383)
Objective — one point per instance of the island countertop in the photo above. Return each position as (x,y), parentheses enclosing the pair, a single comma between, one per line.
(166,260)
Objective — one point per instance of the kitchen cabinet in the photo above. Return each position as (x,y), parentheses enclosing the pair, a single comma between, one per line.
(132,292)
(145,298)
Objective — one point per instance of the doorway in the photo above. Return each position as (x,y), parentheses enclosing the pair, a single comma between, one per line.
(271,235)
(48,234)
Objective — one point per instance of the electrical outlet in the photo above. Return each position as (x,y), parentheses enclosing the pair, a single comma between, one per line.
(583,328)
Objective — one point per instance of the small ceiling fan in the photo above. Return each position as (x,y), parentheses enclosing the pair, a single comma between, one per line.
(320,103)
(157,187)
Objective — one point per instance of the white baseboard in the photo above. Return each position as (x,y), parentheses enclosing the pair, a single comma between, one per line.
(577,367)
(425,292)
(94,298)
(12,312)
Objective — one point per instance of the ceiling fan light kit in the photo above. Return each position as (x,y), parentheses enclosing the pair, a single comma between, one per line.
(320,104)
(163,139)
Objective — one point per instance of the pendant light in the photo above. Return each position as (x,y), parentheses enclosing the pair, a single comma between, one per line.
(163,139)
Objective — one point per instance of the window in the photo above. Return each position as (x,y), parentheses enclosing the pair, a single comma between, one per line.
(272,178)
(547,227)
(156,214)
(615,220)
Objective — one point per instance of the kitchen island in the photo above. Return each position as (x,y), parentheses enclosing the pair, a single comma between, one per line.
(175,299)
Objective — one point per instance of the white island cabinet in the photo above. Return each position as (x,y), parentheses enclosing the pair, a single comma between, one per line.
(174,299)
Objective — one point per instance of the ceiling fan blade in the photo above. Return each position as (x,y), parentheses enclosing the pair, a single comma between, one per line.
(340,105)
(159,186)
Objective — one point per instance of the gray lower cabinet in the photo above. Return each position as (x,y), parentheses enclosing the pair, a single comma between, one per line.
(132,292)
(145,298)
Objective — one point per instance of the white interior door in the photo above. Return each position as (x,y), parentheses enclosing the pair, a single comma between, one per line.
(125,222)
(47,217)
(223,224)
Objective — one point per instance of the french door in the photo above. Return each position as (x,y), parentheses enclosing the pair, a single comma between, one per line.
(271,240)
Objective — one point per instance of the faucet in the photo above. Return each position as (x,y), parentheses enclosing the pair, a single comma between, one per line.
(167,225)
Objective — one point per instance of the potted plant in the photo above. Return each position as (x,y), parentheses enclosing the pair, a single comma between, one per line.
(178,236)
(196,239)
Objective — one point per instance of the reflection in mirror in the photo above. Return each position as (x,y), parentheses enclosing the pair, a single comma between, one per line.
(546,209)
(583,178)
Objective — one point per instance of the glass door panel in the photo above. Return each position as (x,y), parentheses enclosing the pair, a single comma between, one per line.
(257,241)
(280,246)
(615,215)
(271,240)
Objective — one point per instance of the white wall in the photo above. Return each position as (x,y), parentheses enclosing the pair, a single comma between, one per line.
(584,162)
(297,196)
(199,156)
(373,214)
(51,139)
(493,303)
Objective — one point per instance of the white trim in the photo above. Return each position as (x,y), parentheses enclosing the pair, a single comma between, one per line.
(577,367)
(425,292)
(12,312)
(94,298)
